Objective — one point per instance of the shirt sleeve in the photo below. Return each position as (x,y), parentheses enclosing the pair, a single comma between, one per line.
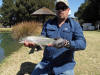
(43,33)
(78,42)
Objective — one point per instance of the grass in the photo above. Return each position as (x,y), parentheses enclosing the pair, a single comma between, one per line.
(12,64)
(88,61)
(5,30)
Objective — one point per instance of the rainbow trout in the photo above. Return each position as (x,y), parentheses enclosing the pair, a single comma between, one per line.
(39,40)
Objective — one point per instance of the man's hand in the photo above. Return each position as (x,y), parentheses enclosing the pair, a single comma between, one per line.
(29,44)
(59,43)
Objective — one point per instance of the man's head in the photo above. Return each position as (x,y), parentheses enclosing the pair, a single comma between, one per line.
(62,8)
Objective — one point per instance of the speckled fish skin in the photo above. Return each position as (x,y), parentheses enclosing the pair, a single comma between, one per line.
(39,40)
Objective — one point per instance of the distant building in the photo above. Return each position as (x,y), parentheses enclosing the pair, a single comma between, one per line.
(88,26)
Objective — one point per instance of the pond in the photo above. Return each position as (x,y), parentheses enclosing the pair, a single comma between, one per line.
(1,50)
(7,45)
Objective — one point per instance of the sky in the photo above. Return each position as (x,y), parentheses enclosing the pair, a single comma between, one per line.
(73,4)
(0,2)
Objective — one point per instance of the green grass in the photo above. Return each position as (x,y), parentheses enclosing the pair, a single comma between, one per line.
(5,30)
(87,61)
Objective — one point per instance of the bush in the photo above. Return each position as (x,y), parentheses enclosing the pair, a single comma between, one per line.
(26,29)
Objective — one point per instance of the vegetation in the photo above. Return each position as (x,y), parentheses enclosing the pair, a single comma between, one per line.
(10,36)
(5,30)
(15,11)
(88,61)
(26,29)
(89,11)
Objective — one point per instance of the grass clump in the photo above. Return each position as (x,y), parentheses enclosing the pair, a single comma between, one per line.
(26,29)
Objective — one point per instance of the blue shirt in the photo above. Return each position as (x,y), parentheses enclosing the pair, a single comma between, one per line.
(62,59)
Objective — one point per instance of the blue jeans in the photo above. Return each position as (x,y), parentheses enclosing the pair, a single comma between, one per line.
(40,70)
(68,72)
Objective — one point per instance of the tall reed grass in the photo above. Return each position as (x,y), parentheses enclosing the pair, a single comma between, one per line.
(26,29)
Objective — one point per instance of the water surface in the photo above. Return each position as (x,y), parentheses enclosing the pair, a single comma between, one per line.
(1,50)
(7,45)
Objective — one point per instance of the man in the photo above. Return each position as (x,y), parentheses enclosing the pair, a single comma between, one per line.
(58,58)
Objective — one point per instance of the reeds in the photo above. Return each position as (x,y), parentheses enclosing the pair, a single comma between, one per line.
(26,29)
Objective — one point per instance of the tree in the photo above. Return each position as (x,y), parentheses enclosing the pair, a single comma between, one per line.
(6,12)
(89,11)
(14,11)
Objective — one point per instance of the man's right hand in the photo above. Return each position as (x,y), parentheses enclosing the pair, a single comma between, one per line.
(29,44)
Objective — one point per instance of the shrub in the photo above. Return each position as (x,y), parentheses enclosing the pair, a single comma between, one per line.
(26,29)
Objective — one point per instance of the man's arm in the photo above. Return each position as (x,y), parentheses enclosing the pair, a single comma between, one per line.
(43,33)
(78,42)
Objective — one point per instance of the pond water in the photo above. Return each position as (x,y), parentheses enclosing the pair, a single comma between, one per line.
(1,50)
(7,45)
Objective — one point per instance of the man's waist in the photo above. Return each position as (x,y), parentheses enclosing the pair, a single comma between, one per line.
(54,52)
(60,59)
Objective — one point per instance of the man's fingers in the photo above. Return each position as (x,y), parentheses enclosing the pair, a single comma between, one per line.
(32,44)
(50,45)
(27,44)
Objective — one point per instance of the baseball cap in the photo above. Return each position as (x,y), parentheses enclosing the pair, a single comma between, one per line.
(63,1)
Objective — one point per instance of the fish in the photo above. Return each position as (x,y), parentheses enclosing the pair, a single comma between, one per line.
(39,40)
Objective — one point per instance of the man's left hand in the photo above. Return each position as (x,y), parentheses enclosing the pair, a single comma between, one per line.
(59,43)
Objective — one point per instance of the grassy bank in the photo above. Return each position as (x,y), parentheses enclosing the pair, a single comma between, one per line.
(88,61)
(5,30)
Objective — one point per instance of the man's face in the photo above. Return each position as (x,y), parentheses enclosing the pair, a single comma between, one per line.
(62,10)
